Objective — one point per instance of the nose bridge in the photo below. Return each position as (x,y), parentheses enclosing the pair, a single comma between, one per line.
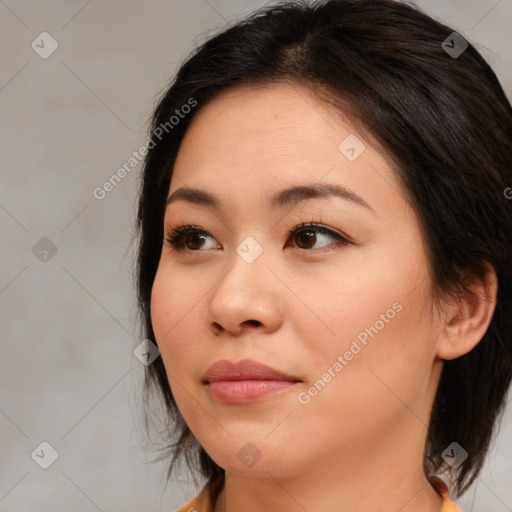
(246,273)
(246,291)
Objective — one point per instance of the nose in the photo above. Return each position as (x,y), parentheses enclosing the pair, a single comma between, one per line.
(246,299)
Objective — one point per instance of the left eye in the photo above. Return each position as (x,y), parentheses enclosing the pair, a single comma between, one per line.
(306,236)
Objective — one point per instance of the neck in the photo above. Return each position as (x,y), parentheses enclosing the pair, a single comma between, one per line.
(385,477)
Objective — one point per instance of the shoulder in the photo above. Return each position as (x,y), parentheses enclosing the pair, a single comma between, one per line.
(201,503)
(205,500)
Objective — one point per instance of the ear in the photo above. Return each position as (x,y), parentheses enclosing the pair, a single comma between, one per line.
(465,323)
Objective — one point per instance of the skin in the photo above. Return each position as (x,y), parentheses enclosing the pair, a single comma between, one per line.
(358,444)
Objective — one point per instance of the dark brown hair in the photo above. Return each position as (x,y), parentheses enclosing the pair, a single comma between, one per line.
(442,118)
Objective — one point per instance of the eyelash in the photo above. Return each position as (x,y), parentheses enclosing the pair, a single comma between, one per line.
(175,238)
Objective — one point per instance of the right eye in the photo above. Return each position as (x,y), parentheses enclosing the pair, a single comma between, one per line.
(188,238)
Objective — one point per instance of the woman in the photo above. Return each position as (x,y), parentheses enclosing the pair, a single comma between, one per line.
(324,260)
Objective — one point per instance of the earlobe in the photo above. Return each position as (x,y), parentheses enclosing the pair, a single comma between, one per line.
(467,321)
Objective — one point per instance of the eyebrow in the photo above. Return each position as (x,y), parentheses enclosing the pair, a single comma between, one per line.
(280,199)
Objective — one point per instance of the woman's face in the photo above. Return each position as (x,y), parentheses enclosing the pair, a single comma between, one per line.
(343,310)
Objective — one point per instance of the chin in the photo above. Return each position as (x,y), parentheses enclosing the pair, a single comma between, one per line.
(249,460)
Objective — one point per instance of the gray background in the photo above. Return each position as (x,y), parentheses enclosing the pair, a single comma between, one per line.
(67,372)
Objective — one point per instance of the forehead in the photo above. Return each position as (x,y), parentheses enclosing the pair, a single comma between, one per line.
(281,112)
(256,140)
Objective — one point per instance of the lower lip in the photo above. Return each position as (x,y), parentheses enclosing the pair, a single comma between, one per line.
(246,391)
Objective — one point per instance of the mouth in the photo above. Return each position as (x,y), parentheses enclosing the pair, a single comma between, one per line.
(245,381)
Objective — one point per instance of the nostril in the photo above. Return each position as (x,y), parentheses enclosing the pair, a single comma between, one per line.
(217,328)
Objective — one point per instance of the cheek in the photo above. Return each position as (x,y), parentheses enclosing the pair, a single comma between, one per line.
(174,314)
(163,308)
(379,322)
(172,307)
(384,372)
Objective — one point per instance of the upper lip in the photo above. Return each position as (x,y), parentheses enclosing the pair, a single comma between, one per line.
(245,369)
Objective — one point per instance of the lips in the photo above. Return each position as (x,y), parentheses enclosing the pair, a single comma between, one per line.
(245,381)
(246,369)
